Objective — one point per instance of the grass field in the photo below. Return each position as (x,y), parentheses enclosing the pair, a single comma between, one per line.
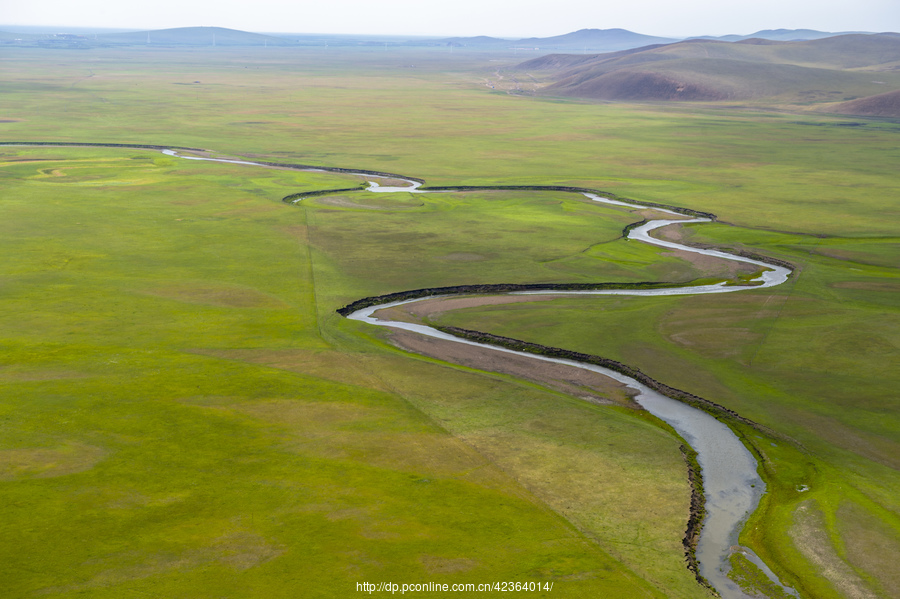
(183,413)
(176,425)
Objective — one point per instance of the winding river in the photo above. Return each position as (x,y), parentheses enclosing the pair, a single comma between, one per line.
(731,483)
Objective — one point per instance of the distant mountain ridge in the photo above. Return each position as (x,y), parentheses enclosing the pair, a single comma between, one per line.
(193,36)
(581,41)
(180,36)
(595,40)
(611,39)
(779,35)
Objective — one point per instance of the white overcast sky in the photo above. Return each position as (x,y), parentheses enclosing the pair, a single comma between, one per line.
(499,18)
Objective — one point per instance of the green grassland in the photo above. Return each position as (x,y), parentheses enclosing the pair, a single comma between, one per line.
(815,361)
(175,424)
(183,413)
(475,238)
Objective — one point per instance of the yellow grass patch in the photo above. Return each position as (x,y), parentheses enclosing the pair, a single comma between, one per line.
(631,511)
(371,202)
(714,329)
(462,257)
(872,546)
(225,296)
(716,342)
(330,365)
(113,182)
(48,462)
(442,565)
(879,449)
(251,208)
(859,256)
(238,550)
(298,232)
(890,286)
(51,172)
(363,433)
(811,538)
(21,374)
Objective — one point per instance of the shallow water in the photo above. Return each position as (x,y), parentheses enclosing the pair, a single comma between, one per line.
(731,484)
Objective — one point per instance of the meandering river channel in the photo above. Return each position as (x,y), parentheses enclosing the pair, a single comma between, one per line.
(731,484)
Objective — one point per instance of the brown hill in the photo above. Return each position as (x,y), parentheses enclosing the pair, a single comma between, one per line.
(830,70)
(886,104)
(647,86)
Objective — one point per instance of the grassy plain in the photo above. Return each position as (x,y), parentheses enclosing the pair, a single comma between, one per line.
(183,410)
(176,425)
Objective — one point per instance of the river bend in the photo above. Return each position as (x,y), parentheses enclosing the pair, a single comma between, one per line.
(731,483)
(732,486)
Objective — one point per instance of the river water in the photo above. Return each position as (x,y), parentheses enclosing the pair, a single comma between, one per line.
(731,483)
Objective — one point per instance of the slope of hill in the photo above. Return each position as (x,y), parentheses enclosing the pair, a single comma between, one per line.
(886,105)
(478,40)
(602,40)
(180,36)
(610,39)
(834,69)
(593,40)
(782,35)
(192,36)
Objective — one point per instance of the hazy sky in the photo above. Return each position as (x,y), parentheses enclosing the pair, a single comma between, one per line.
(501,18)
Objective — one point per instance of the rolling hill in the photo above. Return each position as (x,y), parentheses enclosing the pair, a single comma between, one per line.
(177,37)
(782,35)
(193,36)
(609,39)
(886,104)
(614,40)
(596,40)
(828,70)
(581,41)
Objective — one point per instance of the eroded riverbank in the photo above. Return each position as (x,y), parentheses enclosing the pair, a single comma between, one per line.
(728,471)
